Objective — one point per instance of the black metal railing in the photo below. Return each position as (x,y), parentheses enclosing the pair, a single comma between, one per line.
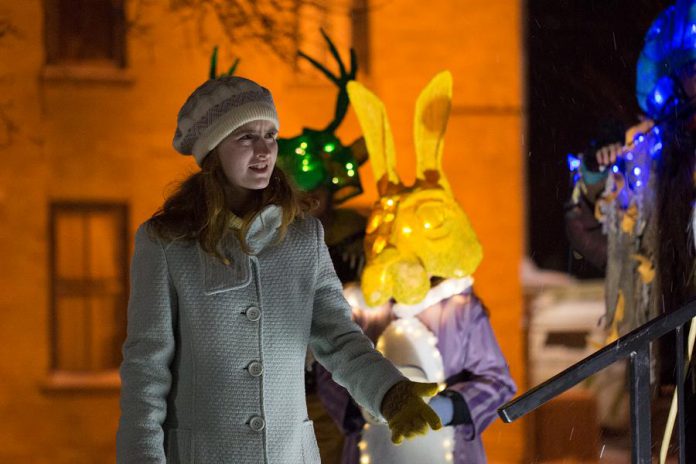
(636,347)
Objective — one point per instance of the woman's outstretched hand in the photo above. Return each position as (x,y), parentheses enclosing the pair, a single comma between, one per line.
(406,412)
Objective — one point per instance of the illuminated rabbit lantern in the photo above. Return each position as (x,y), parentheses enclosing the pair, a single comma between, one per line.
(413,232)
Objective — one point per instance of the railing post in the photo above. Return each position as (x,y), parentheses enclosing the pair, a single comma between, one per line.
(640,405)
(679,382)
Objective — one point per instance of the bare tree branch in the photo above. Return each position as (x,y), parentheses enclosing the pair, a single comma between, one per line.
(135,23)
(8,29)
(8,128)
(271,23)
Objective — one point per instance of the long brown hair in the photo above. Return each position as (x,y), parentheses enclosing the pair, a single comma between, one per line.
(198,208)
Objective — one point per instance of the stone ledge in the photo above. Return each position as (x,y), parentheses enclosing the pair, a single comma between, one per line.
(97,73)
(58,381)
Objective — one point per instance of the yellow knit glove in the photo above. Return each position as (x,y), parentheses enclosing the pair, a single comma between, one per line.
(406,412)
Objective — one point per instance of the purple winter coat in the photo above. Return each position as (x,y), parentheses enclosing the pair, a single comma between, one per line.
(474,366)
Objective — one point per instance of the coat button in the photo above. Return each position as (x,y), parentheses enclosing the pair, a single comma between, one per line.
(257,423)
(253,313)
(255,368)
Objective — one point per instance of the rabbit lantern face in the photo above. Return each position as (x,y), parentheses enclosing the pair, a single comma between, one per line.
(413,232)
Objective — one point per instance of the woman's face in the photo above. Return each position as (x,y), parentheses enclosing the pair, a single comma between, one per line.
(248,155)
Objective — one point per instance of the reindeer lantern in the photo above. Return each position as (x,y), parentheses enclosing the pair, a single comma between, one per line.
(317,157)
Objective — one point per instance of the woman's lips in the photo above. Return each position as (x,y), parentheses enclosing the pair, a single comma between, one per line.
(260,168)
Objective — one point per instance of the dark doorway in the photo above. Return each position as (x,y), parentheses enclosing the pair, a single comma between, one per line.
(581,81)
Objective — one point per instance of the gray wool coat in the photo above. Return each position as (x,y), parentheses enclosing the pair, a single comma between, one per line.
(213,364)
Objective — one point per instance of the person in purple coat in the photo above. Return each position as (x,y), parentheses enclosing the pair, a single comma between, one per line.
(420,253)
(477,375)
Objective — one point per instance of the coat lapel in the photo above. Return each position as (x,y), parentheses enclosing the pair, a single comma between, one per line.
(263,231)
(220,277)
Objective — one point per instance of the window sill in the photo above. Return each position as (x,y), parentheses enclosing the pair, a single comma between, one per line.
(100,73)
(59,381)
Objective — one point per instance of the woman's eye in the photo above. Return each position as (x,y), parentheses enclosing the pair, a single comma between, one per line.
(272,135)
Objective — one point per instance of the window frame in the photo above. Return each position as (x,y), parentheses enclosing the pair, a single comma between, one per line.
(59,378)
(52,42)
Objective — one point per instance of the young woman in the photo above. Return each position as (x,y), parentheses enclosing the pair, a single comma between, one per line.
(231,282)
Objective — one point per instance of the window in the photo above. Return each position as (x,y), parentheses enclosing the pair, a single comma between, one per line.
(88,269)
(82,32)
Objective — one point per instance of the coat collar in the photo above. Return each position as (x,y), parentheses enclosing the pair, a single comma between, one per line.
(445,289)
(262,233)
(263,230)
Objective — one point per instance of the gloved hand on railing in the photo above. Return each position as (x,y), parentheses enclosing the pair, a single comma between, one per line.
(406,412)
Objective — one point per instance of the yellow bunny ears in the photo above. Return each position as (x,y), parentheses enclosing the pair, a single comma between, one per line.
(417,232)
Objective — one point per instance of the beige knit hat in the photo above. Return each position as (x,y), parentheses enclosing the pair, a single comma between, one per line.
(217,108)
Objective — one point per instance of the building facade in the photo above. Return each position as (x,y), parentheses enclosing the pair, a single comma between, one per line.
(89,92)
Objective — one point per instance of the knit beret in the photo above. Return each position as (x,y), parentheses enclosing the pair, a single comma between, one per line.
(217,108)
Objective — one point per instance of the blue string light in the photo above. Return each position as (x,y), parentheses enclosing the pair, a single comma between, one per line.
(573,162)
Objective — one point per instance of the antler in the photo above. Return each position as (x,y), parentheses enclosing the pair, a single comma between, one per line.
(341,80)
(213,66)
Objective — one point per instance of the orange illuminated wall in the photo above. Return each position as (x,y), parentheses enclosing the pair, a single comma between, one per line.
(103,135)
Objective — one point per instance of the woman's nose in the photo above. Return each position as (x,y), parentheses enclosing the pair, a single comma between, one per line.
(262,149)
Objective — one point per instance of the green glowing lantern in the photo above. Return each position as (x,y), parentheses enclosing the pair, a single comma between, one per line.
(317,157)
